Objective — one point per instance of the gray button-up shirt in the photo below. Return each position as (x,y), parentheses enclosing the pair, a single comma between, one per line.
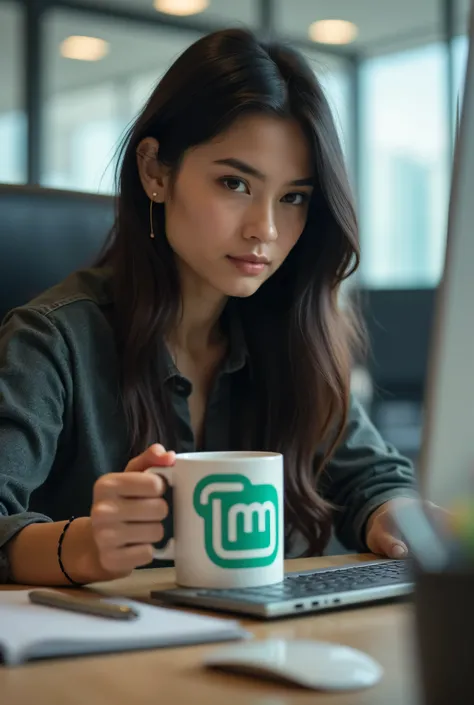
(62,424)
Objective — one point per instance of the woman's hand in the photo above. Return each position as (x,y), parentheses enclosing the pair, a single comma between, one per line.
(382,536)
(127,512)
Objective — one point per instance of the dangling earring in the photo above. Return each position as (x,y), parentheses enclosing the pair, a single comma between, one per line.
(152,234)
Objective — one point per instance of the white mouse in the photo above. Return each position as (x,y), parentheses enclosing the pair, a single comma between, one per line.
(319,665)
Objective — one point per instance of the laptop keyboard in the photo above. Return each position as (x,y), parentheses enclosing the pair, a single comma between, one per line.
(322,583)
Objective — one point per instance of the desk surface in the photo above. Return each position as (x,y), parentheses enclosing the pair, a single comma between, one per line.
(175,676)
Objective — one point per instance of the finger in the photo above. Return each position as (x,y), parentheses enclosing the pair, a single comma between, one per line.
(154,456)
(114,485)
(386,544)
(126,559)
(123,535)
(124,509)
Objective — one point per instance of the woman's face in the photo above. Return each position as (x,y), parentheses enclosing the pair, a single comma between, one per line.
(240,204)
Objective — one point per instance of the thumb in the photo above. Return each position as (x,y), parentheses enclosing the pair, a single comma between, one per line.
(388,545)
(155,455)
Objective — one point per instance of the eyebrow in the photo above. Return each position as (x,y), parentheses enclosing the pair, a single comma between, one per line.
(252,171)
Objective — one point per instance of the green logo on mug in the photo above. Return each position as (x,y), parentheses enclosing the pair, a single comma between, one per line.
(240,521)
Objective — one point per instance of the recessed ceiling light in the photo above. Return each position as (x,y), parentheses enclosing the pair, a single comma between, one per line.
(333,32)
(84,48)
(181,7)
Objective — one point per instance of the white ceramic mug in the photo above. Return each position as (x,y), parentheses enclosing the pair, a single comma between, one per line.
(227,519)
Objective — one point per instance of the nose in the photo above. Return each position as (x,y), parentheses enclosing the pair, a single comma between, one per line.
(261,224)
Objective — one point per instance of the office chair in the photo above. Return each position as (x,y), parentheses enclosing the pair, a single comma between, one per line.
(45,234)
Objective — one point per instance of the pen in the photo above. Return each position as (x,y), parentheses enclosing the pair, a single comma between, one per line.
(99,608)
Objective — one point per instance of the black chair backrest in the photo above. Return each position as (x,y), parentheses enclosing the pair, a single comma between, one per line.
(45,234)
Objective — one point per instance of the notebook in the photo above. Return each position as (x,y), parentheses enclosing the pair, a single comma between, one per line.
(29,631)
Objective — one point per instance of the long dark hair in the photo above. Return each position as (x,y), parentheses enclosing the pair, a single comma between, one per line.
(300,339)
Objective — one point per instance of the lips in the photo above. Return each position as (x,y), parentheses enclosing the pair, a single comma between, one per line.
(253,259)
(249,265)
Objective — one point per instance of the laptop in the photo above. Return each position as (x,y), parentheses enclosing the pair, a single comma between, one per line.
(447,456)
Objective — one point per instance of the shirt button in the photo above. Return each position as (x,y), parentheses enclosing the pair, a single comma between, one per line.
(183,387)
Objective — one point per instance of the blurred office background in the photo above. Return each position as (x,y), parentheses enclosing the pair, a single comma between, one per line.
(75,72)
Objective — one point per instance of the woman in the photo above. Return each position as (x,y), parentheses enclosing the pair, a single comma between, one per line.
(210,322)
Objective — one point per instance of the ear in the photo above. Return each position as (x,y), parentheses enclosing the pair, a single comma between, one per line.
(153,175)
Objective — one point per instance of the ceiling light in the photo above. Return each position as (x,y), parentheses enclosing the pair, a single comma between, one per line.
(84,48)
(181,7)
(333,32)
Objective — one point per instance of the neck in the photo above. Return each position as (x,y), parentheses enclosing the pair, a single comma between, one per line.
(197,327)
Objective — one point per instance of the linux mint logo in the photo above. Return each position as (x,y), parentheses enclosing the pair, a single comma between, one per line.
(240,521)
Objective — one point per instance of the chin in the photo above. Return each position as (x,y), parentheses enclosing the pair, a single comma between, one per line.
(242,289)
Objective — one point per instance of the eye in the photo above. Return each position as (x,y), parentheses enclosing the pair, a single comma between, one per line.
(233,183)
(296,199)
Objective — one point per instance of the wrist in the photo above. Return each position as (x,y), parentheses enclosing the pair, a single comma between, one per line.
(373,516)
(79,553)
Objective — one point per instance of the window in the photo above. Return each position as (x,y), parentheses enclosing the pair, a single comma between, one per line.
(12,116)
(334,78)
(405,160)
(89,104)
(336,83)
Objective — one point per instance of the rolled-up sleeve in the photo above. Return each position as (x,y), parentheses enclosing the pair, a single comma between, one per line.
(33,370)
(363,473)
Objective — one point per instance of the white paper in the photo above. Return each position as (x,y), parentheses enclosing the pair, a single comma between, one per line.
(28,630)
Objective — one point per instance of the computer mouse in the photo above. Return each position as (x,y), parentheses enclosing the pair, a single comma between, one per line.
(318,665)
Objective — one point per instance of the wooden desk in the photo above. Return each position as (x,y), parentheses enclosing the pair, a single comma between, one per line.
(175,676)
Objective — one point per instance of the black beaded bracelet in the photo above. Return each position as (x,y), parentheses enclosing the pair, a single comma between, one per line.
(60,543)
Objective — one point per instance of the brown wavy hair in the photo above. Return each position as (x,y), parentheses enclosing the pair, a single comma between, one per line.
(299,338)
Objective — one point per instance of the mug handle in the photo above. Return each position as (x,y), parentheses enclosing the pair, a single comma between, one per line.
(167,552)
